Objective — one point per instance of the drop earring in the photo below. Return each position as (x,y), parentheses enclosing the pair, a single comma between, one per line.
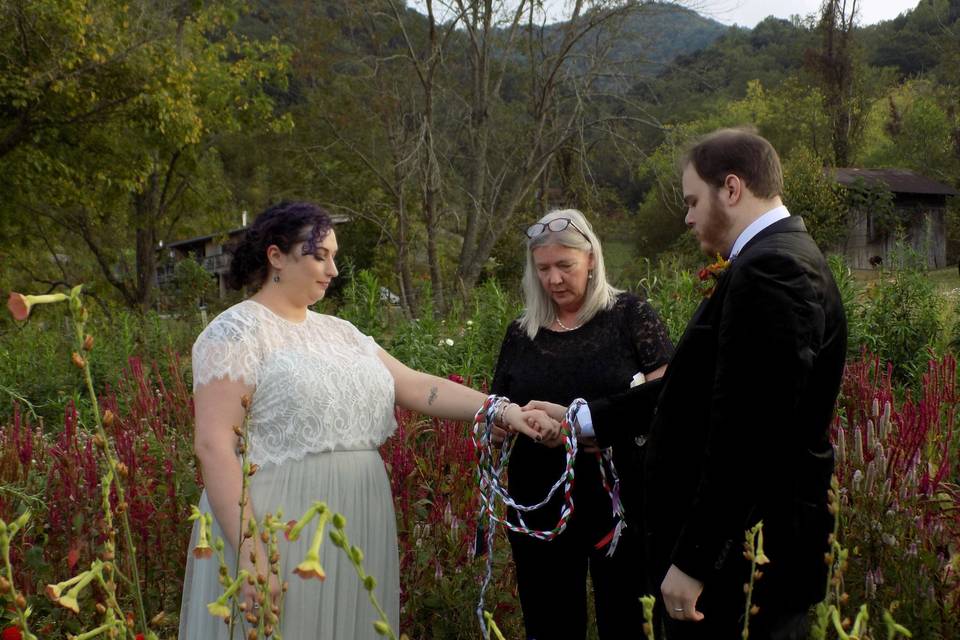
(276,277)
(590,276)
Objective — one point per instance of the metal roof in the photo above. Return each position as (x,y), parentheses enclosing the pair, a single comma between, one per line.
(897,180)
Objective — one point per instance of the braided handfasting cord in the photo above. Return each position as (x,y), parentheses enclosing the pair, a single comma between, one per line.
(608,471)
(608,475)
(490,468)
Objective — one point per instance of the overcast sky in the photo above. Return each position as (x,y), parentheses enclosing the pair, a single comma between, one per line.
(748,13)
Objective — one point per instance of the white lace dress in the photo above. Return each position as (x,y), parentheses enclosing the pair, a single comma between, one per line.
(323,403)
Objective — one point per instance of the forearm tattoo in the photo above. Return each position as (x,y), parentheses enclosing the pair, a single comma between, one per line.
(433,395)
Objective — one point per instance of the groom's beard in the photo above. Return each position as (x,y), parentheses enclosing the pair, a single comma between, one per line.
(714,237)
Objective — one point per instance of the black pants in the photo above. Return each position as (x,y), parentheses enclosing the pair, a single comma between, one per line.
(552,581)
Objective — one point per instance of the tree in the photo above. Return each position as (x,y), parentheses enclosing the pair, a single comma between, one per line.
(427,66)
(509,137)
(124,115)
(839,69)
(405,109)
(813,194)
(913,129)
(484,102)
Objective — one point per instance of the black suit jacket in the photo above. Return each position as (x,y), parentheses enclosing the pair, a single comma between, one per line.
(738,428)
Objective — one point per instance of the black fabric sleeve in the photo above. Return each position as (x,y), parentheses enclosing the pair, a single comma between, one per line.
(508,352)
(648,334)
(770,331)
(619,419)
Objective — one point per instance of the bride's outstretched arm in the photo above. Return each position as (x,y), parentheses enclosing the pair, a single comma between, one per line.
(444,398)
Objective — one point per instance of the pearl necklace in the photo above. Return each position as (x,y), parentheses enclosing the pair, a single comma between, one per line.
(565,327)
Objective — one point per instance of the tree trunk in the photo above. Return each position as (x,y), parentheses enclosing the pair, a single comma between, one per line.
(431,183)
(478,144)
(436,277)
(145,219)
(408,293)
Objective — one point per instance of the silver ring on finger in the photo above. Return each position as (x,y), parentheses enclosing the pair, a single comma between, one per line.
(678,610)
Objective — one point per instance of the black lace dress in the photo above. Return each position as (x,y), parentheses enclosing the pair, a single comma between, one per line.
(597,360)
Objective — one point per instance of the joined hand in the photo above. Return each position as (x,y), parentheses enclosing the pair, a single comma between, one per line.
(558,412)
(535,424)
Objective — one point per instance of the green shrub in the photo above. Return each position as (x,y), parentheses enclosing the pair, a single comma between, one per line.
(674,290)
(903,315)
(851,293)
(34,355)
(465,342)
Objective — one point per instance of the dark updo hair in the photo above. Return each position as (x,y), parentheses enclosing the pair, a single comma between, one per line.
(282,225)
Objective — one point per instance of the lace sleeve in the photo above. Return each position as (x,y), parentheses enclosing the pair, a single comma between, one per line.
(228,349)
(366,343)
(648,334)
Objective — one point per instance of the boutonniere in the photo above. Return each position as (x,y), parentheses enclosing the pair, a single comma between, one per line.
(710,274)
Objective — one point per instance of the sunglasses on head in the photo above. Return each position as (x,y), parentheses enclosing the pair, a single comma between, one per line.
(556,225)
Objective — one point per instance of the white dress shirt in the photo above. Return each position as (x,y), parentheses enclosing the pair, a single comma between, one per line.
(755,227)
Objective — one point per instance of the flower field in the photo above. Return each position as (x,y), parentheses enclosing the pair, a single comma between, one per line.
(898,500)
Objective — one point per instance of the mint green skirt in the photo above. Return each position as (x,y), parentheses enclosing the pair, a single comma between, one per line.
(353,483)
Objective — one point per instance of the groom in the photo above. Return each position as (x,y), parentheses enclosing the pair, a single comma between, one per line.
(738,428)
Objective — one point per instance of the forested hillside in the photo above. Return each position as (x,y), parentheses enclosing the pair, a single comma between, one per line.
(434,132)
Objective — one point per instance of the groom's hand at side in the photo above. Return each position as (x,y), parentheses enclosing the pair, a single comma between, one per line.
(680,595)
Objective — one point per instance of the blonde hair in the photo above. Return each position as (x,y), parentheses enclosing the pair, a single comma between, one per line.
(540,310)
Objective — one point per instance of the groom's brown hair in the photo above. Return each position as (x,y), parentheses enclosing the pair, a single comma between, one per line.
(740,152)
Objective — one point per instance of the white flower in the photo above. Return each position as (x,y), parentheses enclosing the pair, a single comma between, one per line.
(638,379)
(448,342)
(469,323)
(857,479)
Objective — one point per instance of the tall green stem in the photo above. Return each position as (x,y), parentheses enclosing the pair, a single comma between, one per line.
(244,489)
(112,462)
(21,614)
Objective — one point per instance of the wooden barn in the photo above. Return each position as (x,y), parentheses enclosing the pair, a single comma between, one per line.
(920,206)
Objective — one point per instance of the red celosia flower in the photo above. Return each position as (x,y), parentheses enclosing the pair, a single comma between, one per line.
(11,633)
(456,378)
(139,636)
